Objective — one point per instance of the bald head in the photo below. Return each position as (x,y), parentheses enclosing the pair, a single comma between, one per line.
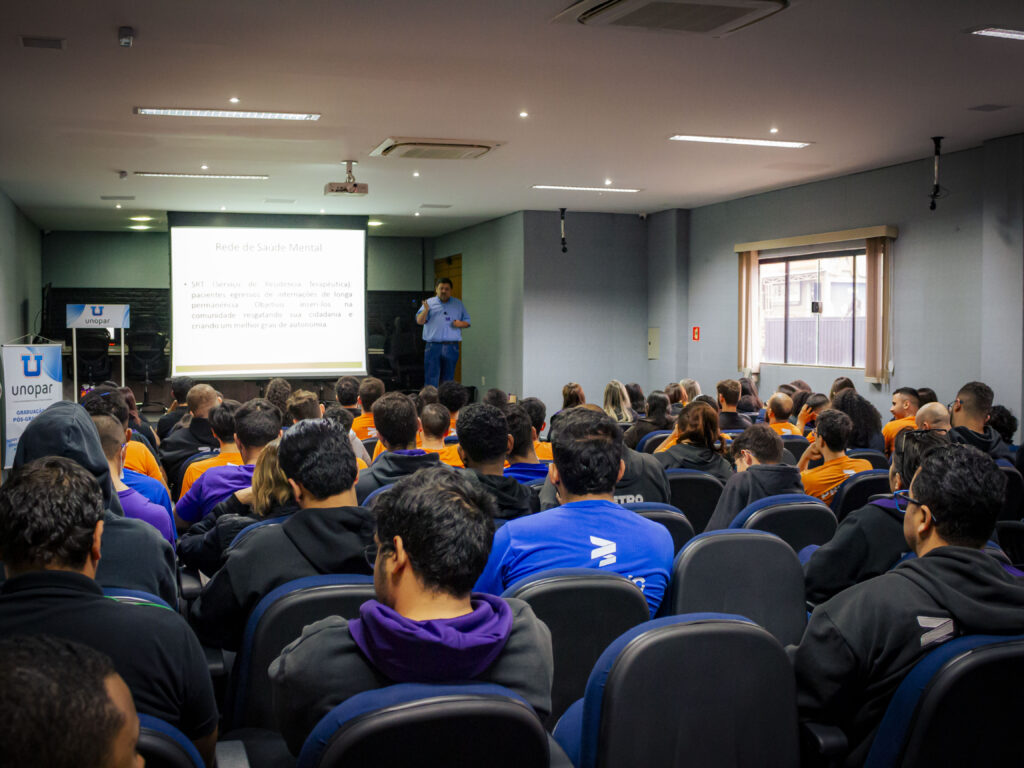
(201,399)
(780,406)
(932,416)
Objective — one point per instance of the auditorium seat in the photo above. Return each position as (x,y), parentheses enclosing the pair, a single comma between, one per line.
(135,597)
(275,621)
(855,491)
(673,519)
(451,440)
(179,476)
(370,444)
(959,705)
(795,444)
(368,501)
(1010,534)
(796,518)
(585,609)
(1013,504)
(164,746)
(652,440)
(695,493)
(877,458)
(701,690)
(244,533)
(474,724)
(750,573)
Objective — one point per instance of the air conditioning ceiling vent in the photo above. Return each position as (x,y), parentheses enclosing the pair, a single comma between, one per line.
(433,149)
(708,17)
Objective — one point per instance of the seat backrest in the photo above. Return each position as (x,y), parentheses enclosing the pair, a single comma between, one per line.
(677,523)
(368,501)
(1011,538)
(877,458)
(370,444)
(652,440)
(242,534)
(277,620)
(135,597)
(857,489)
(750,573)
(796,518)
(585,610)
(1013,503)
(695,493)
(164,746)
(700,690)
(959,705)
(418,724)
(451,440)
(796,444)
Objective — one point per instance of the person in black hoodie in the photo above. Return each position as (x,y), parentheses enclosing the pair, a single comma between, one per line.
(135,555)
(759,473)
(185,442)
(969,414)
(327,535)
(869,540)
(860,644)
(657,418)
(484,440)
(699,443)
(394,416)
(180,385)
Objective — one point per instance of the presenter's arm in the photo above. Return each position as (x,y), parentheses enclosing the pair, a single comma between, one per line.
(423,314)
(462,322)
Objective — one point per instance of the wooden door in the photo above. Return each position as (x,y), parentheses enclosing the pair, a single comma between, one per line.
(451,267)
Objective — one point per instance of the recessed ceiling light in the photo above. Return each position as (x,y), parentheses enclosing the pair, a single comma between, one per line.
(374,223)
(233,99)
(747,142)
(582,189)
(524,114)
(170,175)
(416,174)
(141,218)
(118,205)
(223,207)
(1005,32)
(237,114)
(204,167)
(607,182)
(773,129)
(140,226)
(417,213)
(321,210)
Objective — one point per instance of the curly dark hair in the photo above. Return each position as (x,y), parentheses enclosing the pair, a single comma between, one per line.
(317,455)
(867,422)
(964,489)
(587,449)
(483,432)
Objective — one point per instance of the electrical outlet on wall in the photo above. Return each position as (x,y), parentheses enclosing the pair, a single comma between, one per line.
(483,381)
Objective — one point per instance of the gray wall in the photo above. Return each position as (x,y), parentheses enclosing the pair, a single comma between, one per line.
(20,272)
(394,263)
(668,242)
(492,290)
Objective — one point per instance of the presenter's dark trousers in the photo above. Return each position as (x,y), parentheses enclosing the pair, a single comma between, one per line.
(439,361)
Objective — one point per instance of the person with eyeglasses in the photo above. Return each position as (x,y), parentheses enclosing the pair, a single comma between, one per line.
(443,317)
(433,534)
(869,540)
(859,645)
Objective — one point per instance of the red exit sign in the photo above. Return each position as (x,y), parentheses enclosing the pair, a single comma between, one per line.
(696,333)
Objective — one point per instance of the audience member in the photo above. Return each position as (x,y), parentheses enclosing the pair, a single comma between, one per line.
(426,396)
(708,400)
(799,385)
(257,422)
(135,555)
(138,425)
(904,408)
(778,411)
(185,442)
(91,721)
(110,401)
(327,534)
(691,388)
(859,645)
(616,402)
(538,414)
(759,473)
(728,399)
(867,422)
(222,421)
(799,398)
(841,383)
(523,464)
(589,529)
(204,545)
(344,416)
(1002,420)
(435,424)
(933,416)
(433,535)
(346,392)
(926,395)
(496,397)
(453,396)
(750,401)
(371,389)
(676,398)
(484,442)
(394,415)
(808,414)
(657,419)
(636,400)
(831,438)
(869,540)
(51,530)
(698,443)
(134,504)
(278,392)
(303,404)
(786,389)
(572,395)
(969,415)
(180,385)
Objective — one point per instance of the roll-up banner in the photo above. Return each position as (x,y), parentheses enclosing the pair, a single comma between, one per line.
(32,382)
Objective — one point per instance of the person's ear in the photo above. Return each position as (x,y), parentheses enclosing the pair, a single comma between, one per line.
(462,453)
(543,426)
(296,490)
(622,471)
(97,543)
(322,409)
(419,425)
(128,434)
(553,475)
(533,434)
(898,482)
(400,558)
(508,445)
(124,453)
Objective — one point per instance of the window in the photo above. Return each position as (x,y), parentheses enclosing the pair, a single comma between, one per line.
(812,309)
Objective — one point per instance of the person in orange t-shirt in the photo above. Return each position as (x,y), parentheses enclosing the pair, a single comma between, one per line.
(538,413)
(370,390)
(435,424)
(832,433)
(905,402)
(779,407)
(222,421)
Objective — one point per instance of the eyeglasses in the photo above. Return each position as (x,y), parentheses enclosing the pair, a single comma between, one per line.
(370,553)
(906,497)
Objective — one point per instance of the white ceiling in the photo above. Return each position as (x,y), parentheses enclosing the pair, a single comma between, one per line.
(868,81)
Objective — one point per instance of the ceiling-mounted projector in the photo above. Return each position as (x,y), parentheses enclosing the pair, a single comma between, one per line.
(347,187)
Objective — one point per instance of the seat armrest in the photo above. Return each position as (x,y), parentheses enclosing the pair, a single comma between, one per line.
(822,745)
(231,754)
(191,586)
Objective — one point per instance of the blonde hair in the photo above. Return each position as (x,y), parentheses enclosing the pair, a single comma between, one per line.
(269,484)
(616,401)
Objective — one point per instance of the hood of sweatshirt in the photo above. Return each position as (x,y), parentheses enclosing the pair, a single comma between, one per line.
(390,467)
(332,539)
(988,442)
(512,497)
(694,456)
(66,429)
(773,479)
(434,650)
(978,593)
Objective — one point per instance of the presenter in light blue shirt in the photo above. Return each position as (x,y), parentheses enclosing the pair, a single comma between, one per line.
(443,317)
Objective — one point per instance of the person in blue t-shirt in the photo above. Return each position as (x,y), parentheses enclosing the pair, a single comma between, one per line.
(443,317)
(589,529)
(523,463)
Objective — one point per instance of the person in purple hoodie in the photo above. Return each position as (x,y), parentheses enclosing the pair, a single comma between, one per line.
(433,537)
(134,504)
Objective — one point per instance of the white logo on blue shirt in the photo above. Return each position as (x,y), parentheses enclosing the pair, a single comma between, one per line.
(605,550)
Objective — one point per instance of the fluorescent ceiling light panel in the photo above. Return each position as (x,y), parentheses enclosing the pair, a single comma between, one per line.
(1005,32)
(374,223)
(236,114)
(746,142)
(583,189)
(169,175)
(141,218)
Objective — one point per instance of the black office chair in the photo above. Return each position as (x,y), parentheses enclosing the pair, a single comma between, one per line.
(677,523)
(585,609)
(93,355)
(750,573)
(857,490)
(370,444)
(695,493)
(877,458)
(145,360)
(649,442)
(1013,502)
(795,444)
(797,519)
(164,746)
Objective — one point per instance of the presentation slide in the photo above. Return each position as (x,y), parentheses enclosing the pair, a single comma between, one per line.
(267,302)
